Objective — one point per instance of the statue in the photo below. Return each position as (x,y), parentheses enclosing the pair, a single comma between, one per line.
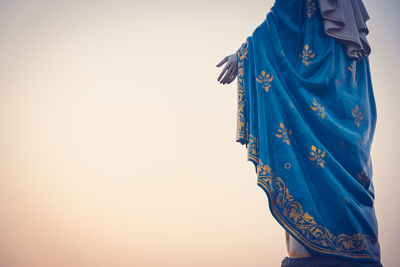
(306,113)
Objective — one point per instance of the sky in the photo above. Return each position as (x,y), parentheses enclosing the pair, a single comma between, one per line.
(118,145)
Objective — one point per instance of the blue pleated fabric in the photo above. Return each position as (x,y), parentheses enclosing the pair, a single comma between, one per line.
(307,115)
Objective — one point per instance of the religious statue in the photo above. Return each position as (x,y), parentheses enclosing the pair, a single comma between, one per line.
(307,115)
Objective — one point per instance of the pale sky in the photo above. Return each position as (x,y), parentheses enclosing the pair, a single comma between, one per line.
(118,144)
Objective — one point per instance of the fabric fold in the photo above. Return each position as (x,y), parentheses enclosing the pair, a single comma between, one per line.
(306,113)
(345,20)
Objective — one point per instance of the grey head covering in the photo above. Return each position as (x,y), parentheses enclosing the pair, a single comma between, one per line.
(345,20)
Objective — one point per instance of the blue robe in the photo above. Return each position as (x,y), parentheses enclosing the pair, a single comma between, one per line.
(307,115)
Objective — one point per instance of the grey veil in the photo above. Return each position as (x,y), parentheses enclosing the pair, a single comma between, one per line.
(345,20)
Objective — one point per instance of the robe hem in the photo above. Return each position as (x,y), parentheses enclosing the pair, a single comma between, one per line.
(295,234)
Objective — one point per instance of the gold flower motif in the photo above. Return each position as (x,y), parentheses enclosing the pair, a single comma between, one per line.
(307,55)
(283,133)
(317,155)
(310,8)
(353,69)
(357,116)
(265,79)
(318,107)
(363,177)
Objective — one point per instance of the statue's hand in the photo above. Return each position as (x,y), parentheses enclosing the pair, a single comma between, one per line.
(230,69)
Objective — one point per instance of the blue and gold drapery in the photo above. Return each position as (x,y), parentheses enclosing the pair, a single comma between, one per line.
(307,115)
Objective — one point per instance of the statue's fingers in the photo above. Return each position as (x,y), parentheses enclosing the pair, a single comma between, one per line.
(233,67)
(229,79)
(222,73)
(226,77)
(222,62)
(234,74)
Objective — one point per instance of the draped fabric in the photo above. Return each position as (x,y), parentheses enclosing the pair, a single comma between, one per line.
(307,115)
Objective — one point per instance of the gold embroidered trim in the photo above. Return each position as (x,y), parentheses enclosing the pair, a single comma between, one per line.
(302,225)
(252,149)
(242,126)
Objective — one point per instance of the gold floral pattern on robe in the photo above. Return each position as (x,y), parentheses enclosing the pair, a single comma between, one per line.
(317,155)
(307,55)
(357,116)
(353,70)
(318,107)
(363,178)
(283,133)
(265,80)
(310,8)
